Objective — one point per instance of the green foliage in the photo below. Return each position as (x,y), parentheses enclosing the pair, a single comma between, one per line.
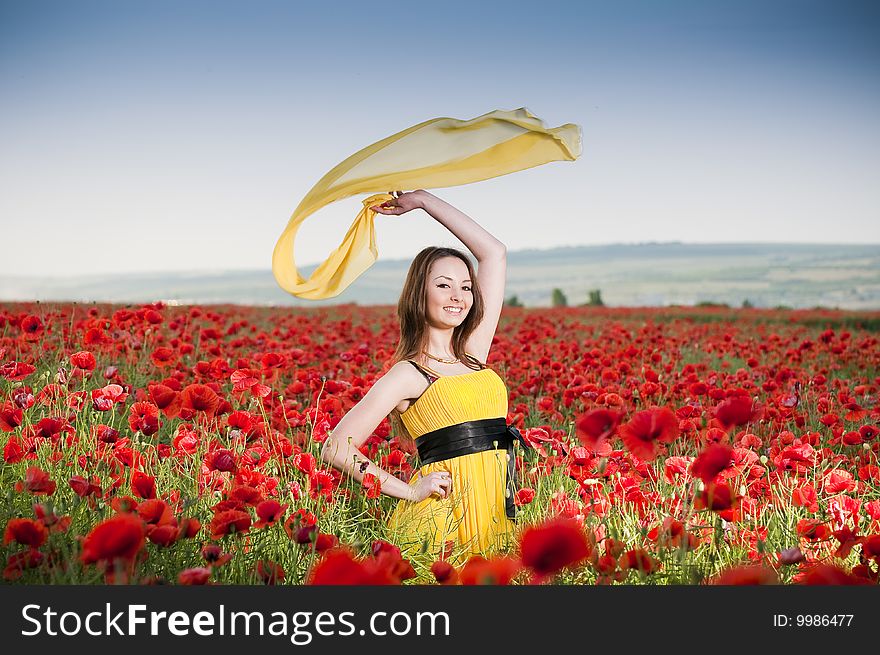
(513,301)
(559,299)
(595,298)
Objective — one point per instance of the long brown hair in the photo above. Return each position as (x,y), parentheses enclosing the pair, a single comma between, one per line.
(413,317)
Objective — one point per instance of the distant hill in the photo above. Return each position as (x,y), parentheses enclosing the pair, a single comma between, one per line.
(650,274)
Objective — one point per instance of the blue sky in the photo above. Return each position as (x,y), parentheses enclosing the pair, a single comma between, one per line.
(164,136)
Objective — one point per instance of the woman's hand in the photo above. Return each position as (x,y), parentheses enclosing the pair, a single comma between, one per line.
(439,482)
(401,203)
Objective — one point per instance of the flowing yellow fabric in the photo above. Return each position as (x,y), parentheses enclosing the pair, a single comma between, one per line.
(441,152)
(472,519)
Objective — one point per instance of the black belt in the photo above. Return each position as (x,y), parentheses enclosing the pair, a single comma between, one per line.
(475,437)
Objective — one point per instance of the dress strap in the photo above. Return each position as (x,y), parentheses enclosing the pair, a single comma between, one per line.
(428,376)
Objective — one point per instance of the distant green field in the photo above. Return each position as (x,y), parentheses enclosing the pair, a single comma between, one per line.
(763,275)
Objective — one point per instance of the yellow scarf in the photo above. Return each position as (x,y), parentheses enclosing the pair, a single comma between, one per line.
(441,152)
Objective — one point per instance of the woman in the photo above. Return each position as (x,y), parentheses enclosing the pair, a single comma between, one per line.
(442,395)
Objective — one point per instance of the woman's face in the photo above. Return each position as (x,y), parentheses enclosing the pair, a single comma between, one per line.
(449,295)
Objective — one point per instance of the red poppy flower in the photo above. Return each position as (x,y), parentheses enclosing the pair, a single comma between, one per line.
(83,488)
(19,562)
(268,512)
(597,427)
(340,567)
(444,573)
(827,574)
(647,429)
(838,481)
(10,417)
(716,497)
(269,572)
(198,575)
(638,560)
(143,485)
(554,545)
(144,417)
(738,410)
(221,460)
(155,512)
(37,482)
(246,494)
(27,532)
(813,529)
(757,574)
(200,398)
(709,463)
(84,360)
(805,496)
(229,522)
(118,538)
(166,399)
(496,571)
(162,357)
(305,462)
(164,535)
(16,371)
(299,519)
(372,486)
(31,327)
(524,496)
(321,484)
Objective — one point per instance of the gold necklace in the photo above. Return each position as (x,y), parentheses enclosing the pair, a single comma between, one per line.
(440,359)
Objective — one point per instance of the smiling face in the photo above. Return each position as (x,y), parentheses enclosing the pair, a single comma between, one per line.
(449,293)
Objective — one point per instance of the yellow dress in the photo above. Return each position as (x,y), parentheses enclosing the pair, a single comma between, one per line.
(472,519)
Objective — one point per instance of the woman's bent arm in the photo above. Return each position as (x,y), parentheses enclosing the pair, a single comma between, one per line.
(341,449)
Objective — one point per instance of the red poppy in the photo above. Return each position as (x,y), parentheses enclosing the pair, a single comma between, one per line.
(118,538)
(144,417)
(155,512)
(709,463)
(496,571)
(166,399)
(221,460)
(827,574)
(638,560)
(19,562)
(163,535)
(143,485)
(214,555)
(31,327)
(597,427)
(200,398)
(372,486)
(269,572)
(198,575)
(27,532)
(444,573)
(16,371)
(268,512)
(756,574)
(299,519)
(84,360)
(554,545)
(321,484)
(83,488)
(813,530)
(340,567)
(738,410)
(10,417)
(805,496)
(647,429)
(716,497)
(229,522)
(37,482)
(524,496)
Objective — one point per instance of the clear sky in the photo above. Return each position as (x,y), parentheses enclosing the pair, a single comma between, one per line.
(180,135)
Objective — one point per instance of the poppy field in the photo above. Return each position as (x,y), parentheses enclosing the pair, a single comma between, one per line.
(162,444)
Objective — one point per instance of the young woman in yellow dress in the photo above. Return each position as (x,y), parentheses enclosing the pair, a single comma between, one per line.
(441,394)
